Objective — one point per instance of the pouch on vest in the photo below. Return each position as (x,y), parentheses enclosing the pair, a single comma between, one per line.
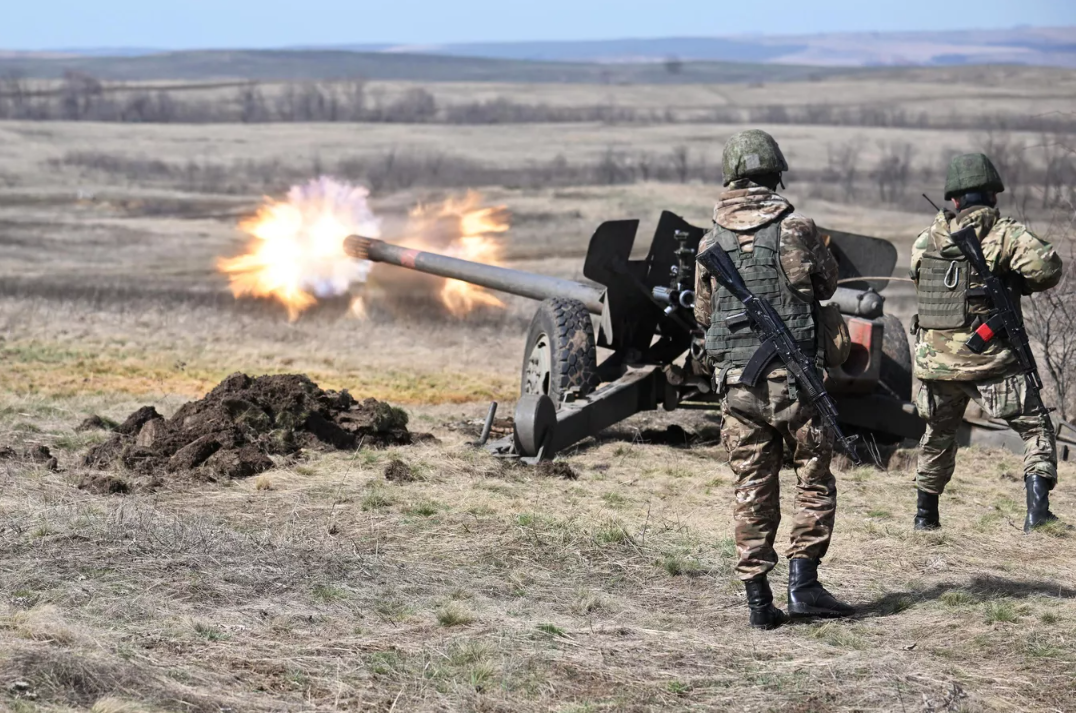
(835,337)
(942,292)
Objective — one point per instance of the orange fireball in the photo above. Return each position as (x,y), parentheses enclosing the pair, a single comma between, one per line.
(297,255)
(461,228)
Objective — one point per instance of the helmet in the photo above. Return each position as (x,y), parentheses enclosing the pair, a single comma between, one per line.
(971,172)
(751,153)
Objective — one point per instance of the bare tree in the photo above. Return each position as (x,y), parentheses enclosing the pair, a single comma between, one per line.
(843,165)
(1050,321)
(681,163)
(893,170)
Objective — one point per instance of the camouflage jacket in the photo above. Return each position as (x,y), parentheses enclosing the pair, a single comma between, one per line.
(806,262)
(1011,250)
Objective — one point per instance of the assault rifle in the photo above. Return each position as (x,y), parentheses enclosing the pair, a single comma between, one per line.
(777,343)
(1005,319)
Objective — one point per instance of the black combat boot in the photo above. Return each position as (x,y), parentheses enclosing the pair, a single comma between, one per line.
(926,514)
(808,598)
(764,615)
(1038,502)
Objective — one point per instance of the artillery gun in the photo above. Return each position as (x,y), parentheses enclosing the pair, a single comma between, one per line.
(644,314)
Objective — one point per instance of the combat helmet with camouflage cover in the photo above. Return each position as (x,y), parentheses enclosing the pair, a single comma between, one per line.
(971,172)
(751,153)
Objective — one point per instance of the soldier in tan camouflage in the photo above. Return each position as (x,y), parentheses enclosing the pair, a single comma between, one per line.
(952,305)
(782,259)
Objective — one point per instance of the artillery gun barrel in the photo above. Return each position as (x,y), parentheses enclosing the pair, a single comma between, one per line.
(515,282)
(859,303)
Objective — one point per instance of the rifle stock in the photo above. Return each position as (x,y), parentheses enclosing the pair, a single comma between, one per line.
(777,342)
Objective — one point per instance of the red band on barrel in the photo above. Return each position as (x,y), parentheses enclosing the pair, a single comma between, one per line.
(407,258)
(985,333)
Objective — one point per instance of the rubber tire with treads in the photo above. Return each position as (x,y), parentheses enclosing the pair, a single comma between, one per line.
(896,372)
(563,329)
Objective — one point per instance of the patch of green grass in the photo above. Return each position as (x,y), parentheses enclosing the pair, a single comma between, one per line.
(1001,611)
(611,534)
(78,441)
(726,547)
(1056,529)
(677,565)
(385,663)
(328,593)
(42,530)
(393,610)
(209,632)
(1048,617)
(880,514)
(467,652)
(989,521)
(614,500)
(1039,646)
(481,676)
(861,474)
(895,605)
(526,519)
(678,471)
(1006,506)
(552,630)
(839,635)
(376,500)
(426,508)
(453,614)
(677,688)
(956,598)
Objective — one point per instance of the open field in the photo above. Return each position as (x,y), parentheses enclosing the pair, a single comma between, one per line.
(320,585)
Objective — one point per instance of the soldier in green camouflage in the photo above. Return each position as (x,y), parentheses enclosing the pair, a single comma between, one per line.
(782,259)
(952,304)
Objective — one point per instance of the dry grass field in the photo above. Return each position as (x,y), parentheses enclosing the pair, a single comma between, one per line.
(478,586)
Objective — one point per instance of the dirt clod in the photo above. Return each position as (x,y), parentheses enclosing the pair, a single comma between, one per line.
(233,431)
(399,472)
(137,420)
(556,469)
(39,454)
(104,484)
(95,423)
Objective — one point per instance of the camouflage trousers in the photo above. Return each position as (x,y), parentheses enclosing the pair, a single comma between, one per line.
(759,424)
(941,404)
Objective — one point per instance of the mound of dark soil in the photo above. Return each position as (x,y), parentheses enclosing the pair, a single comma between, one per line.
(95,423)
(233,430)
(556,469)
(399,472)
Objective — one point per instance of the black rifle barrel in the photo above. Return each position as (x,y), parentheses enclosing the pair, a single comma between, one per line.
(515,282)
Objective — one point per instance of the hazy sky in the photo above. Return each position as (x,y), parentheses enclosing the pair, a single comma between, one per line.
(38,24)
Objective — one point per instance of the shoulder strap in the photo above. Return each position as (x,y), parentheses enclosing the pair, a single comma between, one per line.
(726,239)
(769,236)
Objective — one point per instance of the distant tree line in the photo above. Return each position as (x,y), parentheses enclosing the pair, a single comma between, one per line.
(81,97)
(1038,176)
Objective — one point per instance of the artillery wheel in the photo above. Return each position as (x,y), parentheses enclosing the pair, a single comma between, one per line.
(561,357)
(896,371)
(535,417)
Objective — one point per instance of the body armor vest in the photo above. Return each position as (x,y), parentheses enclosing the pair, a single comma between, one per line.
(949,293)
(729,339)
